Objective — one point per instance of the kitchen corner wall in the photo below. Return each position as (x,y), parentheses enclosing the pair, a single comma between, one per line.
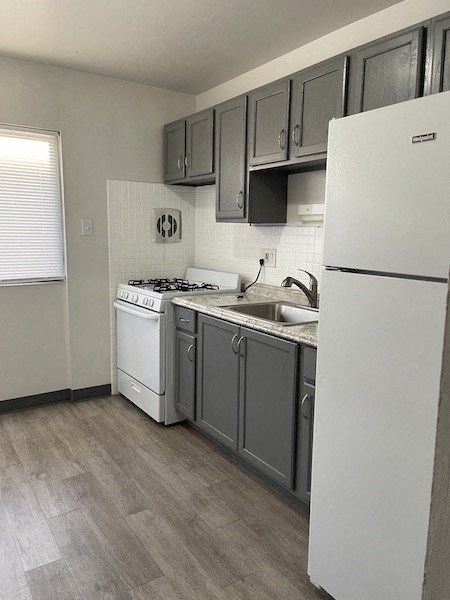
(132,252)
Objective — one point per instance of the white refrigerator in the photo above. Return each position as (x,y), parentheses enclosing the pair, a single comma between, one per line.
(382,316)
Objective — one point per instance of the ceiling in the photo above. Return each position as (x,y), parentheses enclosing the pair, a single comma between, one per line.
(183,45)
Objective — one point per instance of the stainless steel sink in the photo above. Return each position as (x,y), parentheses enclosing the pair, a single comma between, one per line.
(282,313)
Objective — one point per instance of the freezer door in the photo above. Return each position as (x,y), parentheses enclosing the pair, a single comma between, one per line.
(379,361)
(387,198)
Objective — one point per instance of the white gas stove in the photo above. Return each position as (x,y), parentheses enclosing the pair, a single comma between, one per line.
(146,332)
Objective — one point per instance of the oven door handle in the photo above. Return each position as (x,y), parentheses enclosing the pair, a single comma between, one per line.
(151,316)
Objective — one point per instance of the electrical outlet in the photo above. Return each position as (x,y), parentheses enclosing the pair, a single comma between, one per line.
(270,257)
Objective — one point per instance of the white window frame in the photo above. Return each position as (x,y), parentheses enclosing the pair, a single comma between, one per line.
(63,278)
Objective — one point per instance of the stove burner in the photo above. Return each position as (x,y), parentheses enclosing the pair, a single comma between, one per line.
(172,285)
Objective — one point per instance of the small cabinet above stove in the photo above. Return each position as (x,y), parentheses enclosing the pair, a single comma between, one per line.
(189,150)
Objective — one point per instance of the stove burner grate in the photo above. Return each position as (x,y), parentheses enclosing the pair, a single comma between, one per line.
(172,285)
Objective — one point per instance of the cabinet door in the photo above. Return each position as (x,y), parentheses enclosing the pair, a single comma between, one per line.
(217,390)
(386,72)
(304,443)
(231,123)
(440,31)
(268,385)
(185,373)
(199,144)
(318,95)
(174,151)
(269,123)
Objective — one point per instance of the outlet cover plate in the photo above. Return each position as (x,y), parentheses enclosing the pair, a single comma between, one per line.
(270,257)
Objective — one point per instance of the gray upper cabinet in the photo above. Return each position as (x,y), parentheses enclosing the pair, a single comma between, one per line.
(268,385)
(185,373)
(440,34)
(199,144)
(318,95)
(386,72)
(305,428)
(230,152)
(218,372)
(174,142)
(269,123)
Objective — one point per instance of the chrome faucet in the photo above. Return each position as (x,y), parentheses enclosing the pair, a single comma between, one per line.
(310,293)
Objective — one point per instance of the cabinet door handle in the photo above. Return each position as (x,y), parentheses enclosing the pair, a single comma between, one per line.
(187,160)
(239,200)
(191,347)
(304,399)
(282,139)
(180,163)
(238,348)
(233,339)
(296,135)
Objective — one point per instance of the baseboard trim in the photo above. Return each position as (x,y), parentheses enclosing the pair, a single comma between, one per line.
(91,392)
(15,404)
(67,395)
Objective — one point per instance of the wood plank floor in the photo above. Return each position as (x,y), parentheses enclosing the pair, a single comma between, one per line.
(98,502)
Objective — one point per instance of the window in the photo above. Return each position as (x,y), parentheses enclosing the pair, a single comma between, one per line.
(31,207)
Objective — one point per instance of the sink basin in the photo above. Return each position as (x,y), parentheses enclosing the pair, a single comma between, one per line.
(282,313)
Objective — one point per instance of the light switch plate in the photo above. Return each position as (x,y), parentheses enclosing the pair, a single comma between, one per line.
(87,227)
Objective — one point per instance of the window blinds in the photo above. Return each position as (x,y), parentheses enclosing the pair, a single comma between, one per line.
(31,212)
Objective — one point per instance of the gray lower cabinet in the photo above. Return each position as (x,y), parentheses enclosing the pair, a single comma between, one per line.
(199,144)
(185,373)
(440,33)
(317,96)
(305,426)
(269,123)
(174,142)
(267,400)
(387,71)
(218,379)
(230,152)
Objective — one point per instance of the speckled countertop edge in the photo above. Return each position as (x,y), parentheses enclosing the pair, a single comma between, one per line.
(212,305)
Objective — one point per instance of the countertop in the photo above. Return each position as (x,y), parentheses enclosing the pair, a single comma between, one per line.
(210,304)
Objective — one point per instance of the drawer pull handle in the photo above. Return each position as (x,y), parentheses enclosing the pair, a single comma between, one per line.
(136,388)
(184,320)
(191,347)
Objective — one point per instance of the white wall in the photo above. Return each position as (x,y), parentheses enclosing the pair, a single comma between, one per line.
(360,32)
(132,252)
(57,336)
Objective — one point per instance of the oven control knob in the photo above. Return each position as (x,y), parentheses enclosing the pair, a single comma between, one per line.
(151,302)
(125,295)
(135,298)
(145,301)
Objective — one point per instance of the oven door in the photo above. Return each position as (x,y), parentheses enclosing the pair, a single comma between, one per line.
(141,345)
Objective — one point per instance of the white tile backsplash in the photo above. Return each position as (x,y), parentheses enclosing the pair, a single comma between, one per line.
(237,246)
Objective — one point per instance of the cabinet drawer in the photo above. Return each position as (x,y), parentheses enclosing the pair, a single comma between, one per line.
(185,319)
(309,363)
